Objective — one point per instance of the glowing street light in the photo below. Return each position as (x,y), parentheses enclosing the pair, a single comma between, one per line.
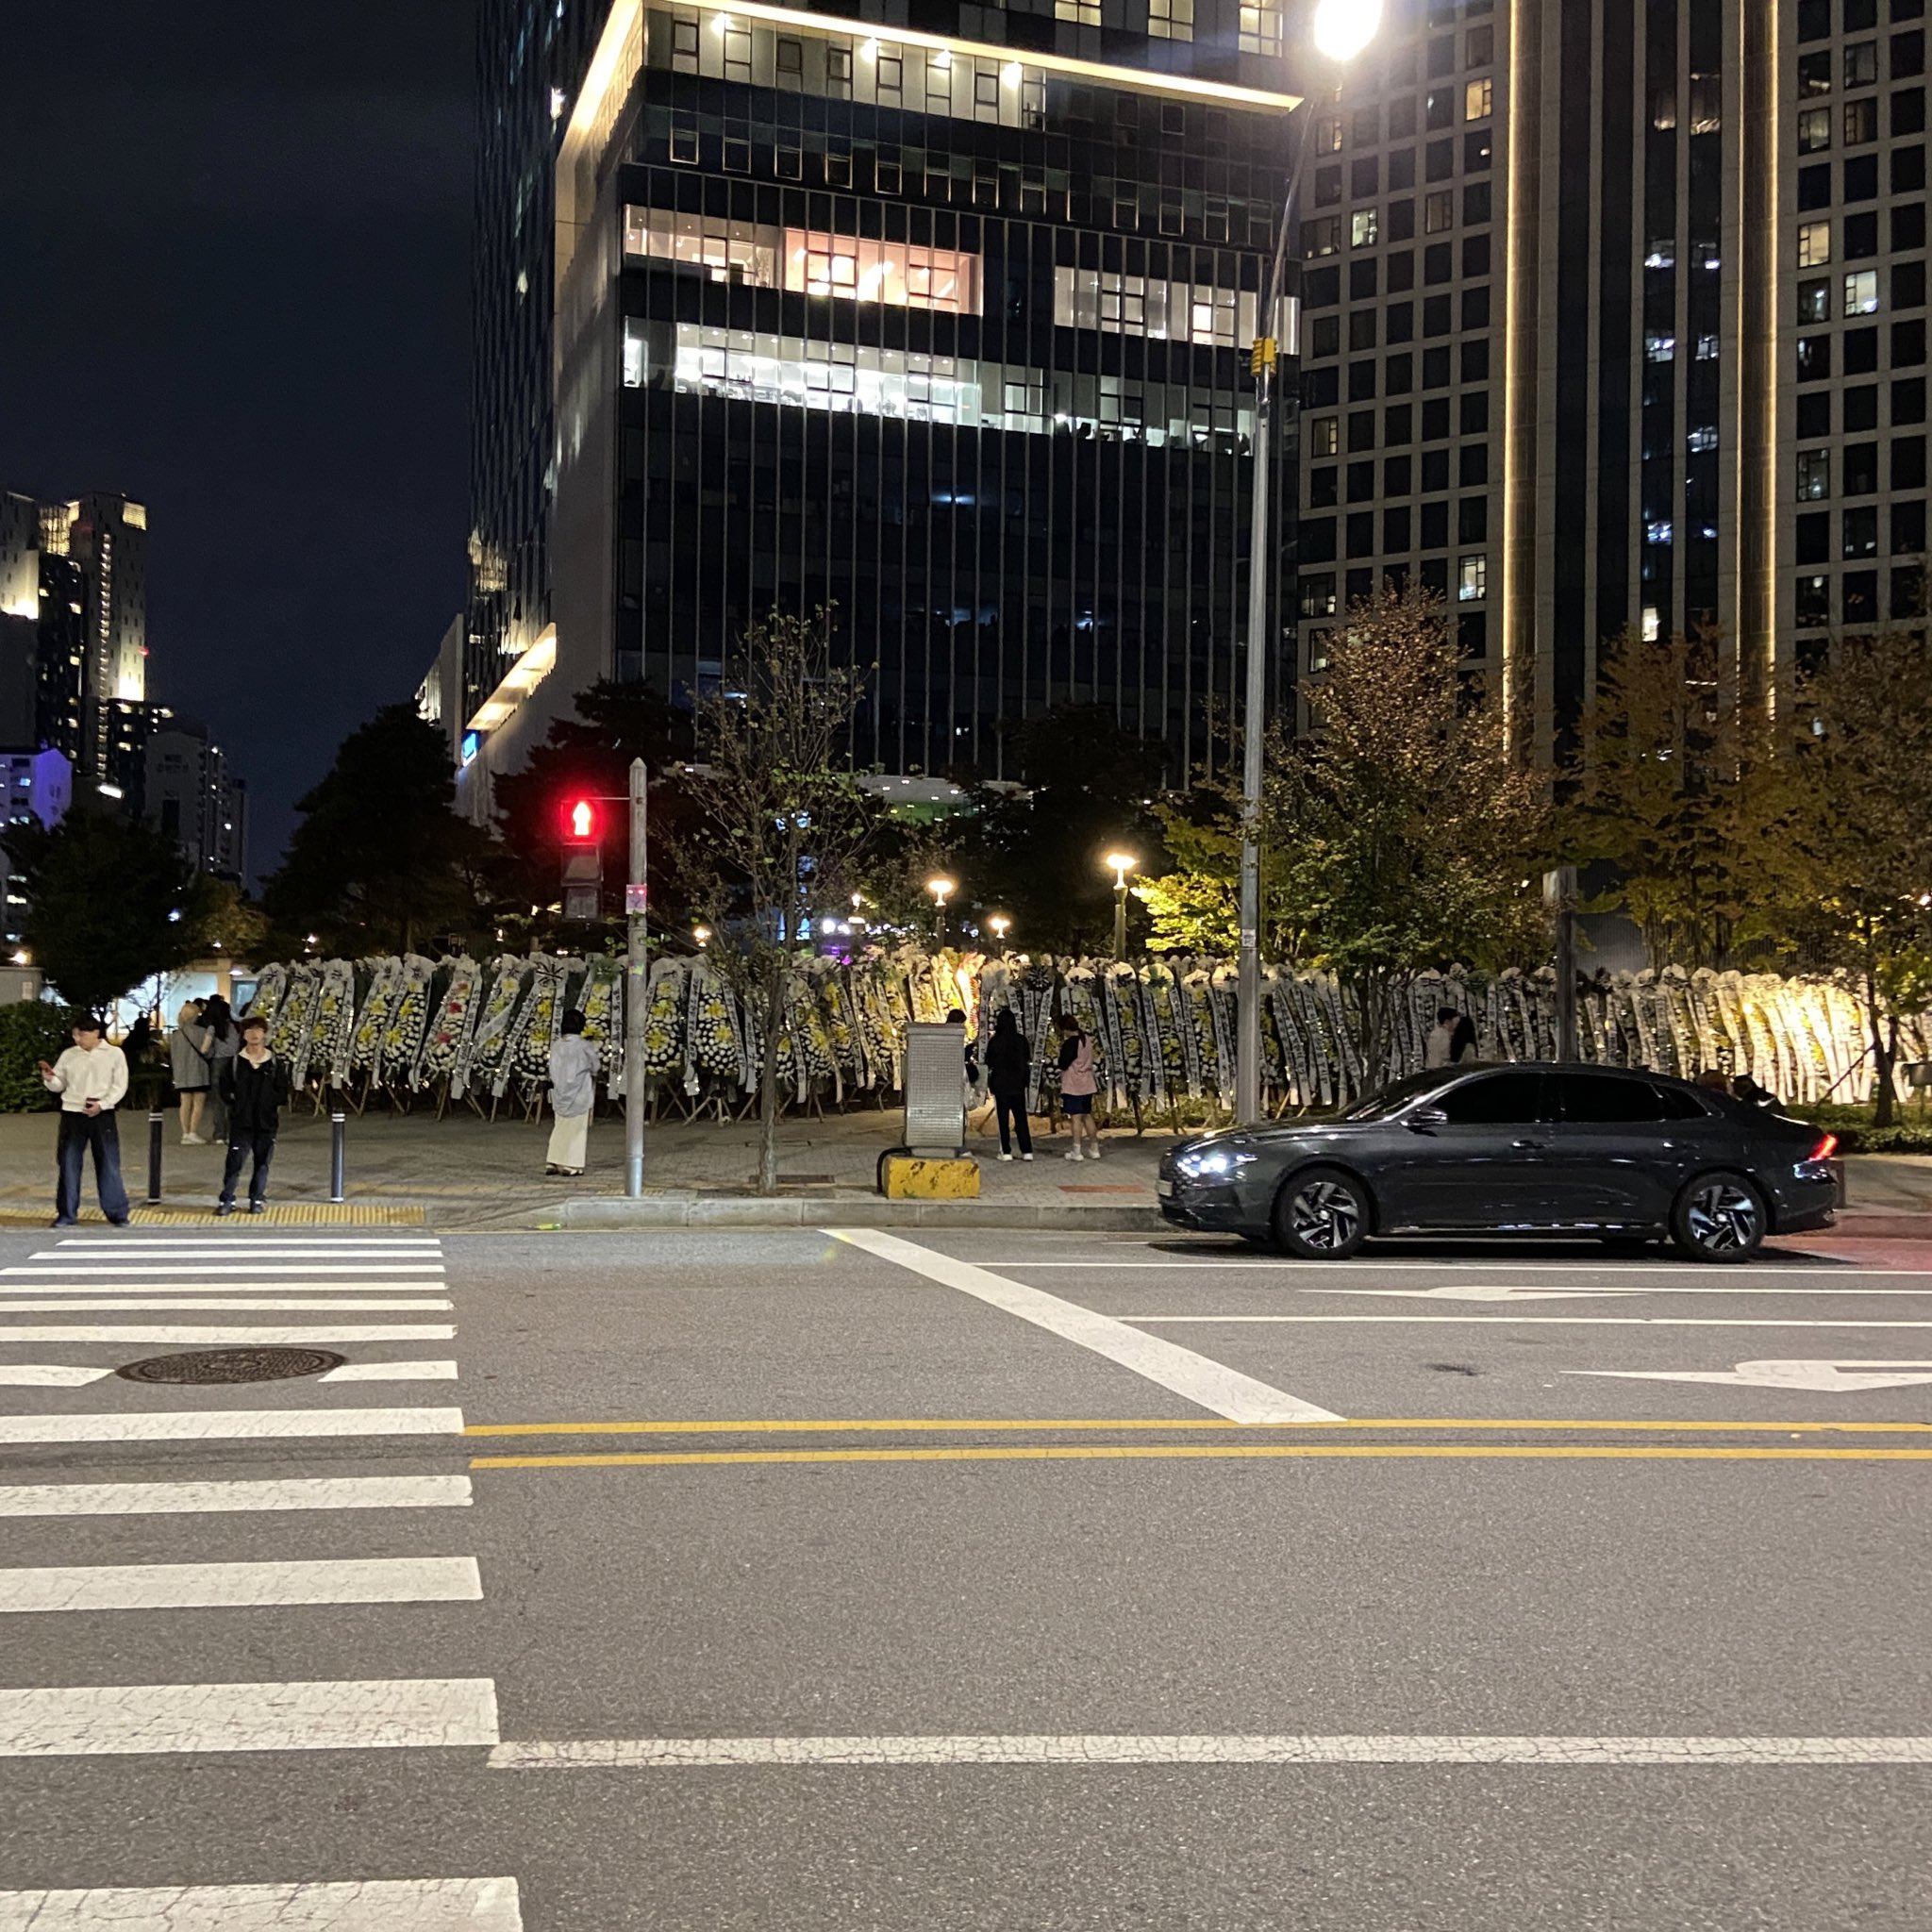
(702,934)
(1122,863)
(1000,925)
(942,888)
(1341,28)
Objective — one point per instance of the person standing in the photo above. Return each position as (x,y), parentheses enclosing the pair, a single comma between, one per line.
(255,1087)
(221,1040)
(188,1068)
(1008,1061)
(1450,1041)
(90,1077)
(1079,1083)
(573,1095)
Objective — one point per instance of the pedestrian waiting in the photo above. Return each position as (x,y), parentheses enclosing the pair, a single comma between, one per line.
(254,1090)
(1008,1064)
(188,1067)
(1079,1083)
(573,1095)
(90,1077)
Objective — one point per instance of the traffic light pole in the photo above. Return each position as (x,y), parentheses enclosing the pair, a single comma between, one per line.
(636,986)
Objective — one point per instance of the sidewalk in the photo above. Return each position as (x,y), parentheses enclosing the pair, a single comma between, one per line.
(466,1173)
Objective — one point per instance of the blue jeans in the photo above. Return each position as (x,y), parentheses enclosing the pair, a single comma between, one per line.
(241,1146)
(78,1132)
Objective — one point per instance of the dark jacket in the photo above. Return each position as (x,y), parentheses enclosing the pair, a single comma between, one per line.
(1008,1062)
(254,1095)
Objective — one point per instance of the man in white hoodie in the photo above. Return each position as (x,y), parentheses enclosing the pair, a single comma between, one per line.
(90,1077)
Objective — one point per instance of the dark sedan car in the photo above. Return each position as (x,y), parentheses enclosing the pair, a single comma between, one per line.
(1549,1150)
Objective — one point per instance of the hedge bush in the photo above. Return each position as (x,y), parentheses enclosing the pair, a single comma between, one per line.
(30,1031)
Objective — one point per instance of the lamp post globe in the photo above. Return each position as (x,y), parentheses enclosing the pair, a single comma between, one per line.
(1122,863)
(1341,28)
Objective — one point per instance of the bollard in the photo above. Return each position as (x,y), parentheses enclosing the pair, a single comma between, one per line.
(155,1124)
(338,1135)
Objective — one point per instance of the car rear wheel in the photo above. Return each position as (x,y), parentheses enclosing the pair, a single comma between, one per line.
(1720,1217)
(1322,1214)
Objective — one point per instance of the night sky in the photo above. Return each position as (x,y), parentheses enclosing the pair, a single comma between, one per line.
(234,283)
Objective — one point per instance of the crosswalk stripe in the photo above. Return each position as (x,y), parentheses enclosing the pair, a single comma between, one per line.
(237,1337)
(130,1719)
(392,1371)
(241,1586)
(228,1424)
(91,1304)
(9,1291)
(147,1269)
(378,1905)
(210,1498)
(47,1375)
(326,1251)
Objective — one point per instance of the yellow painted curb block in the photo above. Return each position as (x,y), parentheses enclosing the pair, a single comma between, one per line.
(909,1178)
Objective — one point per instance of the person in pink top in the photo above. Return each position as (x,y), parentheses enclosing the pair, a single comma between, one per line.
(1080,1082)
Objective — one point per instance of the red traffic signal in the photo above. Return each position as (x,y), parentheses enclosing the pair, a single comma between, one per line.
(582,822)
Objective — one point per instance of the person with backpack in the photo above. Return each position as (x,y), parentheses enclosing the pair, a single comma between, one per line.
(1008,1064)
(1079,1083)
(254,1090)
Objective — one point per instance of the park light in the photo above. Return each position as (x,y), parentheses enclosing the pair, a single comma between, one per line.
(942,888)
(1343,28)
(702,934)
(580,821)
(999,922)
(1122,863)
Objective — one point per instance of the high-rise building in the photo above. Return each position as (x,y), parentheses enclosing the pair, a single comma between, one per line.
(190,794)
(1615,320)
(38,789)
(939,318)
(106,537)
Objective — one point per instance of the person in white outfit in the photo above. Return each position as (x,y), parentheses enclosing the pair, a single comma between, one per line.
(573,1095)
(90,1077)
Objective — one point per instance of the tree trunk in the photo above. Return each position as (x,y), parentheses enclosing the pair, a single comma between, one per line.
(768,1079)
(1884,1055)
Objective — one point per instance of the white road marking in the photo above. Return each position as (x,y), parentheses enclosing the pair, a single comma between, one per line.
(125,1719)
(676,1754)
(243,1267)
(377,1904)
(237,1337)
(1214,1387)
(47,1375)
(1485,1266)
(91,1304)
(1497,1291)
(9,1289)
(392,1371)
(241,1586)
(208,1498)
(322,1251)
(1815,1377)
(1548,1321)
(228,1424)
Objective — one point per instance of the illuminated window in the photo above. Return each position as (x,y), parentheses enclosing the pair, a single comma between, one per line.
(1170,20)
(1084,12)
(684,45)
(1477,96)
(901,274)
(1861,292)
(1814,475)
(1473,580)
(1260,29)
(1318,595)
(1326,137)
(1861,122)
(1362,228)
(1650,623)
(1814,299)
(1659,347)
(1323,433)
(1814,130)
(1814,244)
(1137,305)
(837,70)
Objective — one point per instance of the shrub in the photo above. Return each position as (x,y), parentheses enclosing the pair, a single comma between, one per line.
(30,1031)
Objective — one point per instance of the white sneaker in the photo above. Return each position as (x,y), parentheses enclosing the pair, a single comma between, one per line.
(1093,1152)
(1005,1156)
(193,1140)
(1073,1156)
(1026,1156)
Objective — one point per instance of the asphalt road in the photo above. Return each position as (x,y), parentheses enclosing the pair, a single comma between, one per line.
(790,1581)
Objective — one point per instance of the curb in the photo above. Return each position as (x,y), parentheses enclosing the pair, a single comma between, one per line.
(700,1210)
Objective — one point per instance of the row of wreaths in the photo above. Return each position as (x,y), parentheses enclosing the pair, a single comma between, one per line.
(1163,1029)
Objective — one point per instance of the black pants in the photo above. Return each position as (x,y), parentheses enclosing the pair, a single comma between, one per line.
(241,1145)
(1013,1106)
(79,1132)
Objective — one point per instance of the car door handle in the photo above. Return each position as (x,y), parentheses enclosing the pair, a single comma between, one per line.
(1529,1143)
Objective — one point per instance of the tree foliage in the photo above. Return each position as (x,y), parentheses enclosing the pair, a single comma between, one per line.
(781,817)
(382,864)
(110,902)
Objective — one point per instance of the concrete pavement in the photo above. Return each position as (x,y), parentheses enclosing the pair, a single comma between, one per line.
(976,1501)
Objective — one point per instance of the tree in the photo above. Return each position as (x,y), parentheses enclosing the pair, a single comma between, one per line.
(382,864)
(1399,831)
(781,818)
(1854,836)
(110,903)
(1671,784)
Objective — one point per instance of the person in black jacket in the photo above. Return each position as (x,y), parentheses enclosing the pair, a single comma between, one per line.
(255,1087)
(1008,1061)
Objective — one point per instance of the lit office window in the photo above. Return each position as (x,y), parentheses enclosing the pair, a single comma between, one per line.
(1814,244)
(1477,97)
(1473,580)
(1861,291)
(1085,12)
(1260,29)
(1814,475)
(898,272)
(1170,20)
(1362,228)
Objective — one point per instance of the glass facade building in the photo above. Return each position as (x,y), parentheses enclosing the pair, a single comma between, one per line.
(946,327)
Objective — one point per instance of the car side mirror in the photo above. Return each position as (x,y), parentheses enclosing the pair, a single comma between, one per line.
(1429,1117)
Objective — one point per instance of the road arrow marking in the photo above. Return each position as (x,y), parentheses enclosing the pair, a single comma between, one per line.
(1815,1377)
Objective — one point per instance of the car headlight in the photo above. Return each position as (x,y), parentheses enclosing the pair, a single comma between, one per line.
(1211,1163)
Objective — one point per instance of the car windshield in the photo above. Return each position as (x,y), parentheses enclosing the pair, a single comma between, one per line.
(1391,1099)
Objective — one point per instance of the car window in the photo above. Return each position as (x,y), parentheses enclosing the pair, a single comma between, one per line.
(1496,1099)
(1391,1099)
(1682,1106)
(1606,1098)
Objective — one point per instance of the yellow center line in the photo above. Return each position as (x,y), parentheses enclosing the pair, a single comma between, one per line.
(1043,1452)
(969,1424)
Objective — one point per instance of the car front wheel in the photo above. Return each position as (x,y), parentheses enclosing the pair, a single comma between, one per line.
(1322,1214)
(1720,1217)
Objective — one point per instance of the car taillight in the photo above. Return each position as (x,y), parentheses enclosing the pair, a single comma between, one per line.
(1826,1148)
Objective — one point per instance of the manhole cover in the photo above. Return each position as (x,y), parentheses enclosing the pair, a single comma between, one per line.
(233,1365)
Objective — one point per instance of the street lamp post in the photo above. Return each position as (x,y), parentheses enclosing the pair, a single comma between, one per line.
(942,888)
(1122,863)
(1000,922)
(1340,29)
